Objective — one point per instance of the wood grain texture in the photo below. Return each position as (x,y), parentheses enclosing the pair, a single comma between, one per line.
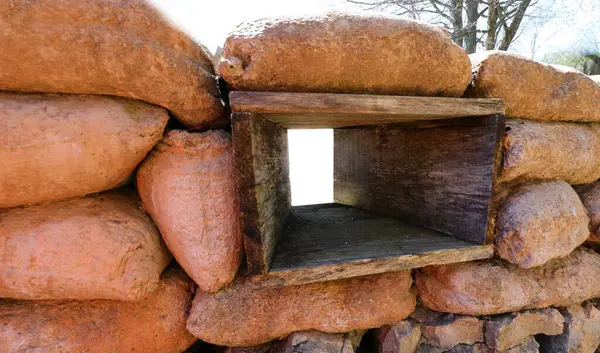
(329,110)
(332,241)
(438,175)
(262,173)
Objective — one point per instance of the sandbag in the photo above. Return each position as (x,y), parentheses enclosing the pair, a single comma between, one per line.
(345,53)
(246,315)
(534,90)
(493,286)
(551,150)
(109,47)
(590,197)
(540,222)
(187,184)
(99,247)
(155,325)
(54,147)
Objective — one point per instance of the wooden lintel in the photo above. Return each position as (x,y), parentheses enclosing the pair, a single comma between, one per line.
(331,110)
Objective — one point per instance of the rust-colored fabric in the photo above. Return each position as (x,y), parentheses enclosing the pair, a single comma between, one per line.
(345,53)
(533,90)
(551,150)
(155,325)
(99,247)
(493,286)
(187,184)
(245,315)
(54,147)
(540,222)
(109,47)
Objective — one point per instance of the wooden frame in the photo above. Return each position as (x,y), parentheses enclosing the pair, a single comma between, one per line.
(413,183)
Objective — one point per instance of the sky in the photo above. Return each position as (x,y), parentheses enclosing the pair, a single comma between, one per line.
(210,21)
(311,151)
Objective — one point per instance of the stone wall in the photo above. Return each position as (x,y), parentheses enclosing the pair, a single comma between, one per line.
(119,221)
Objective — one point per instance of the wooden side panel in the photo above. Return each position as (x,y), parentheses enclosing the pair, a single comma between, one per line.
(261,157)
(437,175)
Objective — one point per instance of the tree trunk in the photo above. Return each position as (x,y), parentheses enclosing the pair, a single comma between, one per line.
(456,12)
(511,31)
(472,7)
(490,43)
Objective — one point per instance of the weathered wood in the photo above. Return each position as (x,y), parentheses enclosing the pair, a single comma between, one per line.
(332,241)
(438,175)
(262,166)
(328,110)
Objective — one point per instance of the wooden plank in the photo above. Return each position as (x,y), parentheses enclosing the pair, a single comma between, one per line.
(438,175)
(332,241)
(262,172)
(330,110)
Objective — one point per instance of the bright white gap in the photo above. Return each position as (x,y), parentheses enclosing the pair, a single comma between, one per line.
(311,166)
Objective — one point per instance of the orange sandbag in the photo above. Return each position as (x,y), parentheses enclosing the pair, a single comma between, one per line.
(101,247)
(109,47)
(54,147)
(187,184)
(155,325)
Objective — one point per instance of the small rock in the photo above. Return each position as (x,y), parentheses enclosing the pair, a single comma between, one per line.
(316,342)
(400,337)
(448,330)
(461,348)
(428,348)
(355,337)
(581,331)
(470,348)
(529,346)
(261,348)
(506,331)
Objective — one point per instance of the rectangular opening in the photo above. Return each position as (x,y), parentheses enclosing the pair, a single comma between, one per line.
(408,191)
(311,166)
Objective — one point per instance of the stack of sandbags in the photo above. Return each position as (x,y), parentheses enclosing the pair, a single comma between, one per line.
(552,142)
(335,52)
(82,267)
(109,47)
(511,291)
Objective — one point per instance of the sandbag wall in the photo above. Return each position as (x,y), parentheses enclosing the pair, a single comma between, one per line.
(116,160)
(536,295)
(88,90)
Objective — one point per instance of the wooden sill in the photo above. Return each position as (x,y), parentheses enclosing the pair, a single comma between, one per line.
(332,241)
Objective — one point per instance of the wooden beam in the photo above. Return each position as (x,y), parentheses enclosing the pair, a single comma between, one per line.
(331,241)
(438,175)
(330,110)
(262,172)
